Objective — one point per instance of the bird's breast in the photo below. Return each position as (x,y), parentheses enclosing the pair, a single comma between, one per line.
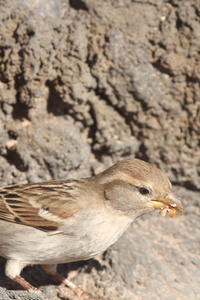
(97,230)
(80,237)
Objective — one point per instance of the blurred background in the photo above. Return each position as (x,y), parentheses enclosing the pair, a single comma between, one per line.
(86,83)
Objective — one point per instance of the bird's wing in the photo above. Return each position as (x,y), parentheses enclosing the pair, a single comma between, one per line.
(42,205)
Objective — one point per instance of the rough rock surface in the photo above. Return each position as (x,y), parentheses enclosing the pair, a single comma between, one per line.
(85,83)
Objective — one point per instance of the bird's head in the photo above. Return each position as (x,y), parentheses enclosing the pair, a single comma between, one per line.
(135,187)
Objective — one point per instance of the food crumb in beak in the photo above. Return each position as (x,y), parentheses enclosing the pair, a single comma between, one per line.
(172,213)
(165,209)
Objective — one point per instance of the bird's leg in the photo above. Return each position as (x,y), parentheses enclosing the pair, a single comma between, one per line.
(51,269)
(27,286)
(76,289)
(13,269)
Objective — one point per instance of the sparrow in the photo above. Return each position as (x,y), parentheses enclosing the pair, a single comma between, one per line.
(62,221)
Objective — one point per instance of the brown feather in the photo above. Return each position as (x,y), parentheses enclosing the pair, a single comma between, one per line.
(35,204)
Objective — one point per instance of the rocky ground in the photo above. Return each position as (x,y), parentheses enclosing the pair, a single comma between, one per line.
(86,83)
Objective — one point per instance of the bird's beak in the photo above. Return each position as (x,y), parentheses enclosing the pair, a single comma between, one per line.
(170,202)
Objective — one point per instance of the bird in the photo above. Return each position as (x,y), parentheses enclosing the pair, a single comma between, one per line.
(68,220)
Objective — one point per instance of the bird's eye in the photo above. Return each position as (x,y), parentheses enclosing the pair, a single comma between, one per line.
(143,190)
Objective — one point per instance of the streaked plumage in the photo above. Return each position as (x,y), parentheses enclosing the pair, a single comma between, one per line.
(69,220)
